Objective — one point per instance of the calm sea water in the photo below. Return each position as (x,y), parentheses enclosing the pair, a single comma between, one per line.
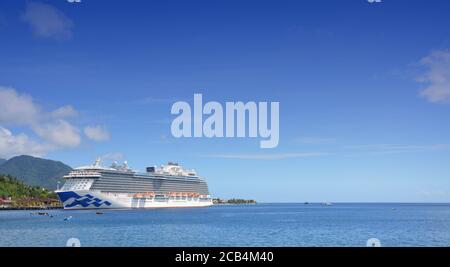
(245,225)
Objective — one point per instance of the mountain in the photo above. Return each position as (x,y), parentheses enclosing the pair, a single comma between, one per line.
(36,171)
(2,161)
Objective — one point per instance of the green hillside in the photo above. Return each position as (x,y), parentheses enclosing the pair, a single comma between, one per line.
(11,187)
(35,171)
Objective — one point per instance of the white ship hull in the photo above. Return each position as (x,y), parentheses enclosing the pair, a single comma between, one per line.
(88,199)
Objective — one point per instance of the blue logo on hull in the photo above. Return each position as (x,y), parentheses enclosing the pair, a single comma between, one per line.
(73,199)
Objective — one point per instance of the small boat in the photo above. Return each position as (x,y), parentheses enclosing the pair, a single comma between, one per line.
(68,218)
(99,213)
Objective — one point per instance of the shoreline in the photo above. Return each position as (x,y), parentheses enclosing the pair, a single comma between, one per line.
(32,208)
(248,204)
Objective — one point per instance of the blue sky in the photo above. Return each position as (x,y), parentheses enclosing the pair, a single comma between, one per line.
(364,91)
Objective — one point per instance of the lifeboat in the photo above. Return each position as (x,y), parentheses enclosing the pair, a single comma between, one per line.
(149,194)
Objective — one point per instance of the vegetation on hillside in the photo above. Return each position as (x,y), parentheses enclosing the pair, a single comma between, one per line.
(11,187)
(234,201)
(22,195)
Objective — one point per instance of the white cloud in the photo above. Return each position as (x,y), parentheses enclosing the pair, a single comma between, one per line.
(14,145)
(53,129)
(60,133)
(15,108)
(20,109)
(64,112)
(436,76)
(96,133)
(274,156)
(47,21)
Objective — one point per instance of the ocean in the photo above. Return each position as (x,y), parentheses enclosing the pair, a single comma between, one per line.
(342,224)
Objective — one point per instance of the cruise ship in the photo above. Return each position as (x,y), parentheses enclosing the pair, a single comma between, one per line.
(119,187)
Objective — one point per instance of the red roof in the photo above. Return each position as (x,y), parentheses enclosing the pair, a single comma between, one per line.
(5,201)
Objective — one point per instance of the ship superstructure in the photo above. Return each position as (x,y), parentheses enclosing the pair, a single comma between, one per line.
(119,186)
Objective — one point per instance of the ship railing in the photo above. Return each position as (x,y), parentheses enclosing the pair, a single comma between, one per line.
(82,175)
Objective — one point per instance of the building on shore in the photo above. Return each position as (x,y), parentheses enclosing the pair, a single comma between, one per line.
(5,202)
